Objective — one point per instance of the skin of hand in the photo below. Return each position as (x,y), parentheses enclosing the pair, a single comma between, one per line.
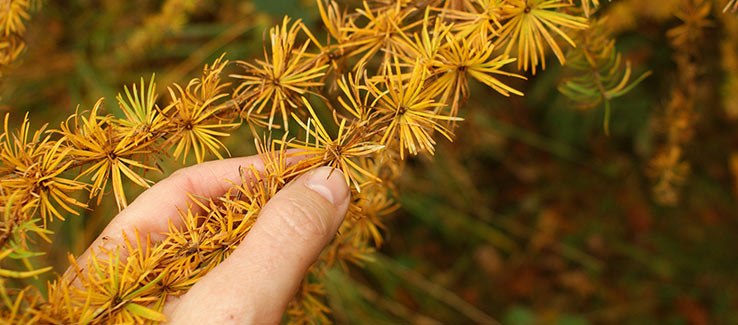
(257,281)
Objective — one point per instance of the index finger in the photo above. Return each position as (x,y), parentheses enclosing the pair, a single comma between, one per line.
(155,209)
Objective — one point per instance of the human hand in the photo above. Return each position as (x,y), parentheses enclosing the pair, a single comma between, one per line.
(257,281)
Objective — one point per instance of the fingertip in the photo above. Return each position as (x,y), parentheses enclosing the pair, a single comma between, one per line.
(329,183)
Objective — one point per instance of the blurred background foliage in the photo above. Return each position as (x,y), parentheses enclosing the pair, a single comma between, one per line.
(533,215)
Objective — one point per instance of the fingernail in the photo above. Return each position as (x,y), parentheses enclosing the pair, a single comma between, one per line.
(329,183)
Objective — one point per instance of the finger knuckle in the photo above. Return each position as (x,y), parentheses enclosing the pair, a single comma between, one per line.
(183,178)
(303,219)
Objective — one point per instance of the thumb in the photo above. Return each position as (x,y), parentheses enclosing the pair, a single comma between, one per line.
(257,281)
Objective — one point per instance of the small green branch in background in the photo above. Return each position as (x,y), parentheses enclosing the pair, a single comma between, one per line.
(597,69)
